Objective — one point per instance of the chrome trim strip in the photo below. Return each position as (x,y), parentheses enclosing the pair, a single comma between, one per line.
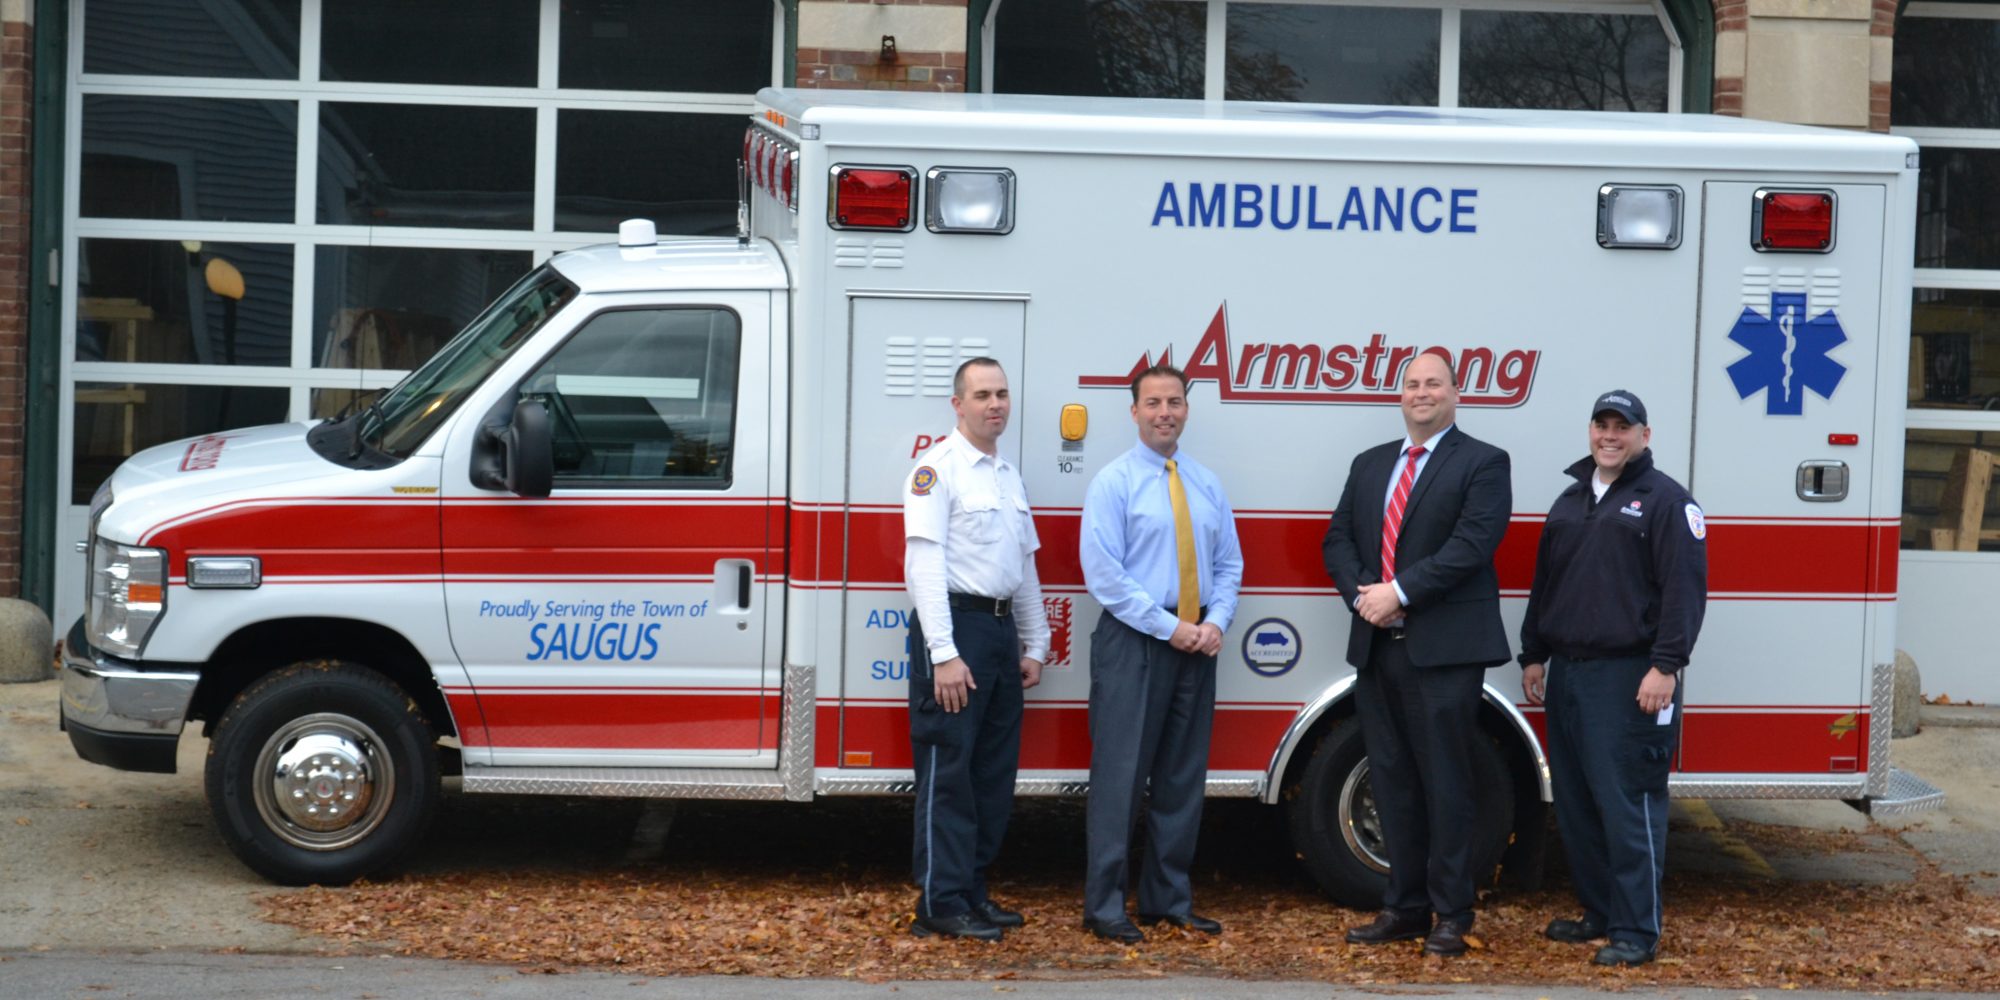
(1768,786)
(1064,784)
(1296,732)
(628,782)
(1527,734)
(1881,726)
(110,695)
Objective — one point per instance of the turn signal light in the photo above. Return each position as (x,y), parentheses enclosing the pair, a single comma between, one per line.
(1793,220)
(874,198)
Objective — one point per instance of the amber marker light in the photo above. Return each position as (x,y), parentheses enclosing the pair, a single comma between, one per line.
(1075,420)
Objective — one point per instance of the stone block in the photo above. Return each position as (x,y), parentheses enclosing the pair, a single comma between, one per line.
(1814,10)
(1909,702)
(27,642)
(1808,77)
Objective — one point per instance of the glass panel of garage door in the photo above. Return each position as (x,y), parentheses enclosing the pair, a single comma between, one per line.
(622,620)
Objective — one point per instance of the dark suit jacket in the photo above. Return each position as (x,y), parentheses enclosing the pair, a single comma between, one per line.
(1456,516)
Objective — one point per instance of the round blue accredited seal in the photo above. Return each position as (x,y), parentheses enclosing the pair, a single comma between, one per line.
(1271,647)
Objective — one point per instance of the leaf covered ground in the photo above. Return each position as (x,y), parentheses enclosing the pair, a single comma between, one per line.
(822,891)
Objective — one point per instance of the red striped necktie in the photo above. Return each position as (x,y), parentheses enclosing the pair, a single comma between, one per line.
(1392,518)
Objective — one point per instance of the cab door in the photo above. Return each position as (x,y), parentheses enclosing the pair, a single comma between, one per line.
(621,620)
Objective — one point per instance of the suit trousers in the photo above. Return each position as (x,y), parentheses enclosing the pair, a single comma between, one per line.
(1608,762)
(1418,724)
(1151,711)
(965,762)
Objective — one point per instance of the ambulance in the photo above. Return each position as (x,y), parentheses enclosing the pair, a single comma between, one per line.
(637,530)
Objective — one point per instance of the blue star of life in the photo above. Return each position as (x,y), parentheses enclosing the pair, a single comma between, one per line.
(1788,354)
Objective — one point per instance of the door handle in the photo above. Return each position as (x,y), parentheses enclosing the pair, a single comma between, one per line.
(733,592)
(743,586)
(1822,481)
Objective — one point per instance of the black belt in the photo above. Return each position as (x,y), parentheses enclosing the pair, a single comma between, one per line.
(998,607)
(1391,631)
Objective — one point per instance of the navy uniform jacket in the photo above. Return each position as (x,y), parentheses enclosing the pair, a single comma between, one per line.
(1623,576)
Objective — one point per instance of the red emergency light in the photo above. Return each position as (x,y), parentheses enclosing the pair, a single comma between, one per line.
(1793,220)
(874,198)
(787,192)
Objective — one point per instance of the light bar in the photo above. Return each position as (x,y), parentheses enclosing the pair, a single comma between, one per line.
(969,200)
(883,198)
(1798,221)
(1639,216)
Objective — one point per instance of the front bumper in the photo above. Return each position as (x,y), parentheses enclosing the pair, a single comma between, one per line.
(120,714)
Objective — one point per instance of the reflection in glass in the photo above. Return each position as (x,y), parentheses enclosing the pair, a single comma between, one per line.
(1575,62)
(1955,350)
(193,303)
(1947,73)
(117,420)
(1337,55)
(684,45)
(1958,208)
(188,158)
(1949,503)
(1101,48)
(233,38)
(426,165)
(687,186)
(490,43)
(393,307)
(643,395)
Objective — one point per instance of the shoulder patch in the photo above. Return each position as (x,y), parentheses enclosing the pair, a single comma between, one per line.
(922,480)
(1696,526)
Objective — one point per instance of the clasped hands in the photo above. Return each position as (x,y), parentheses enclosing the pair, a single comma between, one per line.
(1377,604)
(1204,638)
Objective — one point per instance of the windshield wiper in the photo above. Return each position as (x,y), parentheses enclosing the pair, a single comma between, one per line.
(361,419)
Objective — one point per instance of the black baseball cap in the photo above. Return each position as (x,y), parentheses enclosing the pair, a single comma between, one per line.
(1623,403)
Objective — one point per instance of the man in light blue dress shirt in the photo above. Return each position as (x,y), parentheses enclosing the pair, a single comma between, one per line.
(1160,553)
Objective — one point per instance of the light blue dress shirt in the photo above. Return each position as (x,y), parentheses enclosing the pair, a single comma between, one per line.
(1131,563)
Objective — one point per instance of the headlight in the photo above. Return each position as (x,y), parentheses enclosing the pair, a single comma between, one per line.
(128,593)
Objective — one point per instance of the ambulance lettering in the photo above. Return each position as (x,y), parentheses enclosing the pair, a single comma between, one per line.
(1285,206)
(1335,373)
(616,631)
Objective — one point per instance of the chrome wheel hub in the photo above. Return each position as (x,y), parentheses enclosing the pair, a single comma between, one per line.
(1360,824)
(323,781)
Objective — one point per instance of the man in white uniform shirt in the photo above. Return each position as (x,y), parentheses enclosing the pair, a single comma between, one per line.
(977,641)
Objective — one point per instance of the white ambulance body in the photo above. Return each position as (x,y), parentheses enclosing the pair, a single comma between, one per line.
(680,573)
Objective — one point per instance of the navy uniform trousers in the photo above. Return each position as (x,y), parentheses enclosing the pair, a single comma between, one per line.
(965,762)
(1608,761)
(1152,708)
(1418,724)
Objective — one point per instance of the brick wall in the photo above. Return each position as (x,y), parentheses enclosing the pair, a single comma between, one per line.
(1881,25)
(1731,16)
(16,117)
(840,44)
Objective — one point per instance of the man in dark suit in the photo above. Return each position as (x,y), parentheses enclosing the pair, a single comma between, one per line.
(1411,549)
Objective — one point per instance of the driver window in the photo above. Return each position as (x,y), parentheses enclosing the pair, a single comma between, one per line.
(643,397)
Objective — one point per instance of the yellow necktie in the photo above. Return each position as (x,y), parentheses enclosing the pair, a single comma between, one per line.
(1190,609)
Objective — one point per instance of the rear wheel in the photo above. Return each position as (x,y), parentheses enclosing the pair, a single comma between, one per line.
(322,773)
(1338,834)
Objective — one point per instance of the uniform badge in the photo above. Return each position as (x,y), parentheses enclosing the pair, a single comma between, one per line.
(1695,525)
(922,481)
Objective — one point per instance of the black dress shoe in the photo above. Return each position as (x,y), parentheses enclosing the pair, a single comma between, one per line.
(1623,953)
(1184,921)
(1390,925)
(1447,938)
(958,925)
(1573,931)
(998,915)
(1119,930)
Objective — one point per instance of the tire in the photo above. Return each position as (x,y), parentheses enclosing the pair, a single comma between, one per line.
(322,773)
(1338,837)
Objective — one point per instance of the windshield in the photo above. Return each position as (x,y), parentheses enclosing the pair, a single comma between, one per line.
(404,416)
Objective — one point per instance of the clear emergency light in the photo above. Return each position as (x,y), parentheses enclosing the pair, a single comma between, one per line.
(969,200)
(1641,216)
(882,198)
(1798,221)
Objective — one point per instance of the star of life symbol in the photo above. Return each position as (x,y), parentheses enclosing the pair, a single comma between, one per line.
(1788,354)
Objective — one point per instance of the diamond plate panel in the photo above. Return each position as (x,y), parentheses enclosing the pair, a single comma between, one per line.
(628,782)
(795,740)
(1760,787)
(1907,794)
(1881,723)
(1065,785)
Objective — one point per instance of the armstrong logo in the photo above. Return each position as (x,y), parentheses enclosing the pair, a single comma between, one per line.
(1333,373)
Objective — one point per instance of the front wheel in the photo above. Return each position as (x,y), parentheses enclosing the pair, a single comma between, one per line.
(1338,835)
(322,773)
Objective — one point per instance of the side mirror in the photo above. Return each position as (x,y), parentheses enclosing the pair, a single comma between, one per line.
(519,455)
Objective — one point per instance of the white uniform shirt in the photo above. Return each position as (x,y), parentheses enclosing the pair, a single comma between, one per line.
(968,530)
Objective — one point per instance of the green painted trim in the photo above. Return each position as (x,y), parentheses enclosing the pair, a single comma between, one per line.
(41,418)
(975,19)
(1694,21)
(791,78)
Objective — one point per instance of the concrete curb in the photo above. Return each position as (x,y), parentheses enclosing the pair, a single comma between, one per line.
(1962,716)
